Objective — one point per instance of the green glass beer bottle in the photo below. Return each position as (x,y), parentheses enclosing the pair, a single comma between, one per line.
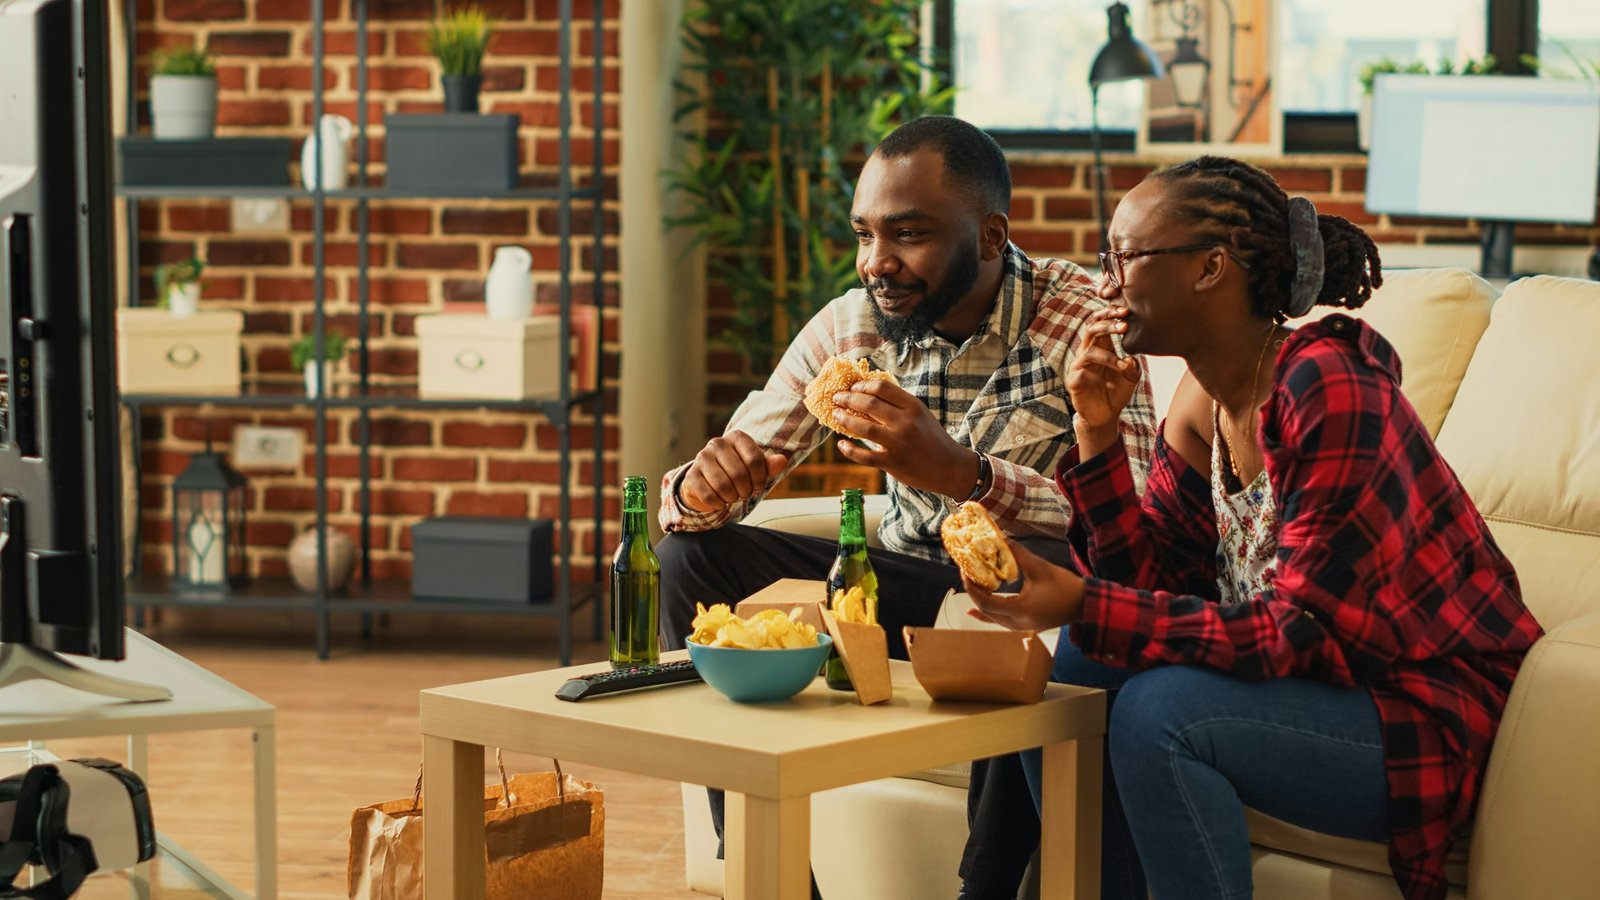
(851,569)
(635,585)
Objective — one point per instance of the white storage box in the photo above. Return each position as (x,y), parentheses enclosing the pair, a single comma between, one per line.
(159,353)
(476,357)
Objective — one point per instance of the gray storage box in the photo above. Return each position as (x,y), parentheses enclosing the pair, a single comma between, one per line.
(482,560)
(226,162)
(452,152)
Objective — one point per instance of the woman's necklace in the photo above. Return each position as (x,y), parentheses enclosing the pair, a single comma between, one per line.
(1249,430)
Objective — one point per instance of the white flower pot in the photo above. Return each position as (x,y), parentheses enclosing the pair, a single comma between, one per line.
(183,300)
(313,383)
(183,106)
(1364,122)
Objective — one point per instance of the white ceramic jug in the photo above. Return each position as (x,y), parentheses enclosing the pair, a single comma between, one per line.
(508,292)
(335,133)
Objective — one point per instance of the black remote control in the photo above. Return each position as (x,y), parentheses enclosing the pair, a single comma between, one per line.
(633,678)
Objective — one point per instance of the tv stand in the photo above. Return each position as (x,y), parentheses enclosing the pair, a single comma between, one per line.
(20,663)
(1496,239)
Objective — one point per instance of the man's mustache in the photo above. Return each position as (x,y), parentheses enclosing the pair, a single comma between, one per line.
(883,285)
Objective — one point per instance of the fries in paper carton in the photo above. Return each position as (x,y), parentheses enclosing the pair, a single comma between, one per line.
(988,666)
(865,651)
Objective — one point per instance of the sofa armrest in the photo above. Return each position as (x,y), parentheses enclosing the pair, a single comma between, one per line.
(1540,809)
(815,516)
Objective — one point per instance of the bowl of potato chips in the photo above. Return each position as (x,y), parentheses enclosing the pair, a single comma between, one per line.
(769,656)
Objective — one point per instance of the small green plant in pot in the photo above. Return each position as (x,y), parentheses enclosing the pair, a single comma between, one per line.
(178,286)
(458,42)
(303,356)
(183,94)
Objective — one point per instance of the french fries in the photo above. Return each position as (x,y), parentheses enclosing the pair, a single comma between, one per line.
(851,606)
(769,629)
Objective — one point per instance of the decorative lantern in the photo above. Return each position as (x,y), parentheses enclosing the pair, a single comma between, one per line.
(208,506)
(1189,71)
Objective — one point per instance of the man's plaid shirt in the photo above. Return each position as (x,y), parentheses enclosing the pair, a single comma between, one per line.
(1002,393)
(1386,577)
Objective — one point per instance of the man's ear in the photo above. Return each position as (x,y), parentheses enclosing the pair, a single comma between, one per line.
(1215,268)
(993,233)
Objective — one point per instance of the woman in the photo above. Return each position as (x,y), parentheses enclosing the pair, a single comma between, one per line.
(1305,612)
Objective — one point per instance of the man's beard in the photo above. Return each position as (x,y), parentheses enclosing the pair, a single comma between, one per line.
(958,279)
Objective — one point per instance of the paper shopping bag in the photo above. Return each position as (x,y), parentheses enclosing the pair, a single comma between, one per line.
(547,842)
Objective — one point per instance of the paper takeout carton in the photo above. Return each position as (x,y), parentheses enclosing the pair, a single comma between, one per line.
(865,651)
(786,594)
(992,666)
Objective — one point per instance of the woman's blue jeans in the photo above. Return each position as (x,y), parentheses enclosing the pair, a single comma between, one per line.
(1188,748)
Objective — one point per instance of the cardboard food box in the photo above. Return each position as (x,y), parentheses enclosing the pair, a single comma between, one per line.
(865,651)
(786,594)
(988,666)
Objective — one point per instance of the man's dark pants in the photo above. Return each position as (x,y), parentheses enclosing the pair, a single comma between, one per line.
(730,563)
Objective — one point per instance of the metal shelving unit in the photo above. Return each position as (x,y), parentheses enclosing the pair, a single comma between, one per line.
(147,590)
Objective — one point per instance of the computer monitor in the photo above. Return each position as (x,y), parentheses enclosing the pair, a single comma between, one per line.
(1498,148)
(60,492)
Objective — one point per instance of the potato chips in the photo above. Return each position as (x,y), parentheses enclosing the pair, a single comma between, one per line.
(851,606)
(769,629)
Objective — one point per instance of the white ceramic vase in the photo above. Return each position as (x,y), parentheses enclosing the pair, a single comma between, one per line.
(334,136)
(508,291)
(183,300)
(1364,122)
(183,106)
(314,379)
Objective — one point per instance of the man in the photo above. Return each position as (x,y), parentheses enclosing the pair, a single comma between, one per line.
(979,337)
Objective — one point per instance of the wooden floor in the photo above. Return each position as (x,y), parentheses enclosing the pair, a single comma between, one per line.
(347,737)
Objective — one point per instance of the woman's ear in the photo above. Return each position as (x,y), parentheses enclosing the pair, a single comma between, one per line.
(1215,265)
(993,234)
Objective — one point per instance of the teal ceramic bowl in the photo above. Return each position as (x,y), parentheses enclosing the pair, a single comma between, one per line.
(757,676)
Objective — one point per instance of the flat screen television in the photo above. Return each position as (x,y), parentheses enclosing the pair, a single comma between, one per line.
(1498,148)
(60,492)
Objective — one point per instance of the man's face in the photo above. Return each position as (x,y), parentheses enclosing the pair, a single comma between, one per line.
(917,249)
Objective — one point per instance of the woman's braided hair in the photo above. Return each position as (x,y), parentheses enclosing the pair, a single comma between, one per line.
(1242,207)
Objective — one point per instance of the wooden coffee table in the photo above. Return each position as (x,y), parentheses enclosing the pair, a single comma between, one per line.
(769,758)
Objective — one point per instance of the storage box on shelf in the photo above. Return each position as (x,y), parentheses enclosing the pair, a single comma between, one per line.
(493,359)
(235,161)
(425,152)
(159,353)
(482,559)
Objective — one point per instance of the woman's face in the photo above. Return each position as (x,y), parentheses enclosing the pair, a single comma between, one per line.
(1158,288)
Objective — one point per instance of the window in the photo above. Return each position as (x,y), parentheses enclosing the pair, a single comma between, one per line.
(1569,38)
(1023,65)
(1324,44)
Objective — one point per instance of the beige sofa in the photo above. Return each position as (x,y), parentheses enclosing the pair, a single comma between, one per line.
(1510,385)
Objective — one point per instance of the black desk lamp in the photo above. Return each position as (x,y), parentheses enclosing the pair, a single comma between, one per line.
(1123,57)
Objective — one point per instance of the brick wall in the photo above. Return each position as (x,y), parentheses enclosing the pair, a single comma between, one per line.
(423,254)
(1052,214)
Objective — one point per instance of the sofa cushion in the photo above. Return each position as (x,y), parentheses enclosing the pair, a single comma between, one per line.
(1370,856)
(1433,317)
(1524,437)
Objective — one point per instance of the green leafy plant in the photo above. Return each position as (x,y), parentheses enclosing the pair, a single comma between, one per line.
(176,274)
(185,61)
(1587,69)
(1389,65)
(458,40)
(793,94)
(303,350)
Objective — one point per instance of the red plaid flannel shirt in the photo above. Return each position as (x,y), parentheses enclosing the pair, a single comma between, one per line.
(1387,577)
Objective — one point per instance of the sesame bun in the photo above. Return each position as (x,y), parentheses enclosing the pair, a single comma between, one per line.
(978,546)
(837,375)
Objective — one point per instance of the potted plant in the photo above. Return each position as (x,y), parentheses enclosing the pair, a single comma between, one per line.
(458,41)
(183,95)
(303,356)
(178,286)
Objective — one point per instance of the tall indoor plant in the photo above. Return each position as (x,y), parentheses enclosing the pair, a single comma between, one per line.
(458,41)
(793,94)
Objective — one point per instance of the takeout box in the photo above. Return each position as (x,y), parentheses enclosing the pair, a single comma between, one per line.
(989,666)
(865,651)
(786,594)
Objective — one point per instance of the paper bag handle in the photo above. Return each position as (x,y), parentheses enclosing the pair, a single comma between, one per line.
(505,783)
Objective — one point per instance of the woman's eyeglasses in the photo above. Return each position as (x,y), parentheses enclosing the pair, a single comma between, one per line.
(1112,261)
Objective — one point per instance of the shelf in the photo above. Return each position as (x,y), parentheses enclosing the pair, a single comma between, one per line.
(551,407)
(356,193)
(378,597)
